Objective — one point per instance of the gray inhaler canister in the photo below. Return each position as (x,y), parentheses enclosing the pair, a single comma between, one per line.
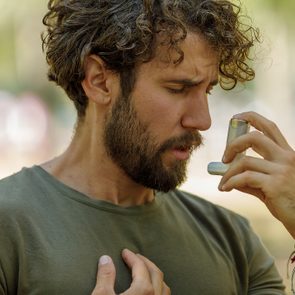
(236,128)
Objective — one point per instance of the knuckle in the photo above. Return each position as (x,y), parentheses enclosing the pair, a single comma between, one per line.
(272,125)
(248,177)
(255,135)
(286,172)
(288,168)
(106,272)
(147,289)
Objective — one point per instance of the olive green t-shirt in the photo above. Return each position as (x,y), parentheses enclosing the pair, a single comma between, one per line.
(51,238)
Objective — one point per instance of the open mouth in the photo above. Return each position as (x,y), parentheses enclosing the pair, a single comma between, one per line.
(184,148)
(182,153)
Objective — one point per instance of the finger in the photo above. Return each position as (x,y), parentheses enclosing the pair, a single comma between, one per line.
(248,180)
(105,277)
(248,163)
(254,192)
(141,281)
(166,290)
(260,143)
(157,276)
(137,266)
(269,128)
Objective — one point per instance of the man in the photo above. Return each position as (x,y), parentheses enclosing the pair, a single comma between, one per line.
(139,72)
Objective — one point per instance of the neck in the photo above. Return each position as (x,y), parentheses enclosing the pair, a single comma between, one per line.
(86,167)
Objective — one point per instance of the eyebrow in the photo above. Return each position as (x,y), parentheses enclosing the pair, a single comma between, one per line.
(190,83)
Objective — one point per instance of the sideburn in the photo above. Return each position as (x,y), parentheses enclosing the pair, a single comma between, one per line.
(127,82)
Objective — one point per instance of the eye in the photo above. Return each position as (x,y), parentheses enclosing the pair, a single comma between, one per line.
(176,90)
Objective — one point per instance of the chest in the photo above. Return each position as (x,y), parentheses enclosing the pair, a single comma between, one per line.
(64,260)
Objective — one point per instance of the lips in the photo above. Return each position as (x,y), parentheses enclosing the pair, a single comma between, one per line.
(182,153)
(181,148)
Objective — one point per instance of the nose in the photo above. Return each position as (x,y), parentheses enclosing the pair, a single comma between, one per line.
(197,114)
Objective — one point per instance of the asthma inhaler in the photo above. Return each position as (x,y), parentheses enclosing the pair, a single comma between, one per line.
(236,128)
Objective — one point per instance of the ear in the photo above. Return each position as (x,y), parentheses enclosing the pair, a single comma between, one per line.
(96,83)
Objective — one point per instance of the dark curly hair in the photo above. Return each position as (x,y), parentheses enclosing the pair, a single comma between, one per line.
(123,33)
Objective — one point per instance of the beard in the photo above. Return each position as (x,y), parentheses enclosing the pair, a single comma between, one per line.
(132,147)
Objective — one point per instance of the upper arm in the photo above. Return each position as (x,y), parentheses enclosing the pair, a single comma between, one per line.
(264,278)
(3,286)
(8,253)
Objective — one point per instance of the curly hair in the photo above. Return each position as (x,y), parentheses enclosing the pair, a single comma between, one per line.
(124,33)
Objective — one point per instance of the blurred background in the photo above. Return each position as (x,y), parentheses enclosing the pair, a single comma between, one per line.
(36,118)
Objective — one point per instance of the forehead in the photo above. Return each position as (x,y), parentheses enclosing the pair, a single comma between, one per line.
(199,59)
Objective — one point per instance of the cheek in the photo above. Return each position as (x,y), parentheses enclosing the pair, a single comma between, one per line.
(161,114)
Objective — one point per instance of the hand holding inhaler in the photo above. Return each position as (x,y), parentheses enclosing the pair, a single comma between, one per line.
(270,176)
(236,128)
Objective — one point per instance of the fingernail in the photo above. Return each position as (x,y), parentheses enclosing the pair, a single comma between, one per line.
(104,260)
(224,158)
(127,250)
(237,115)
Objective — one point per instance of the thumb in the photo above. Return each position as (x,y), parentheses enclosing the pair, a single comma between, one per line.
(106,275)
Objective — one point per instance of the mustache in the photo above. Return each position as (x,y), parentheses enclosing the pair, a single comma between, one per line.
(186,141)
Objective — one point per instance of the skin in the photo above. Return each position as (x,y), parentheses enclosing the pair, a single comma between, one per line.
(170,100)
(86,166)
(270,178)
(147,278)
(133,148)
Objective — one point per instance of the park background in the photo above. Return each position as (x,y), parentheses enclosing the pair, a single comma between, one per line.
(36,119)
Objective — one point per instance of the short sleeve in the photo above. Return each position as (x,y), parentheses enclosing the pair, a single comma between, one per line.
(264,278)
(3,287)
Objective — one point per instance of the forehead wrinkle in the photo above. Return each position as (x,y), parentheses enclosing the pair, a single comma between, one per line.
(192,76)
(200,65)
(192,71)
(198,57)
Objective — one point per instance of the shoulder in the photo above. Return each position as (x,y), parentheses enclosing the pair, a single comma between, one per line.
(230,231)
(201,207)
(17,181)
(217,222)
(232,235)
(17,189)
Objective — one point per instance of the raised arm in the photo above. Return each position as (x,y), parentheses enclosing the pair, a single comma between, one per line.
(270,178)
